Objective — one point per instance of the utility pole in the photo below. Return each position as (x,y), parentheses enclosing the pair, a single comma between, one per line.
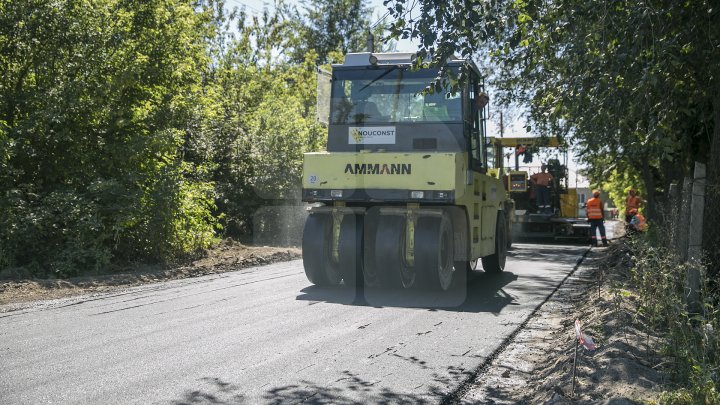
(502,126)
(370,42)
(576,178)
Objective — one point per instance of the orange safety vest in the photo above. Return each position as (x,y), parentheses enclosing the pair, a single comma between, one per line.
(541,179)
(594,208)
(640,225)
(632,202)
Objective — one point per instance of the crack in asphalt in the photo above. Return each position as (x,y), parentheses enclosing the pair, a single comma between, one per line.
(372,356)
(305,368)
(308,397)
(204,304)
(413,360)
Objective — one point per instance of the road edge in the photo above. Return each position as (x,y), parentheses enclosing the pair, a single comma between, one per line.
(456,395)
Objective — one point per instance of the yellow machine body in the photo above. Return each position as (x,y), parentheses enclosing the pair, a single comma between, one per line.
(378,170)
(432,178)
(517,181)
(569,204)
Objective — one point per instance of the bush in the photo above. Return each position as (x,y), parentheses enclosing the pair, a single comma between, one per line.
(97,121)
(691,338)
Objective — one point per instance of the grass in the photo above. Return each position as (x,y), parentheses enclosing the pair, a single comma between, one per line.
(692,344)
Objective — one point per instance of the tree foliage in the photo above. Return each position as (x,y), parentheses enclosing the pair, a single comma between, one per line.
(97,100)
(633,84)
(136,130)
(335,25)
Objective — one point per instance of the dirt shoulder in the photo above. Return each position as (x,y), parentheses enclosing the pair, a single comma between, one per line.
(228,256)
(536,366)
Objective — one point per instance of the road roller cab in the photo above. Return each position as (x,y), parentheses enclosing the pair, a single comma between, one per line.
(402,196)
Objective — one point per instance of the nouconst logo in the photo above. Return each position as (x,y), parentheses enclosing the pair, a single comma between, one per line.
(371,135)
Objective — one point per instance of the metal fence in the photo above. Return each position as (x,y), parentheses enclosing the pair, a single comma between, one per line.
(689,225)
(711,228)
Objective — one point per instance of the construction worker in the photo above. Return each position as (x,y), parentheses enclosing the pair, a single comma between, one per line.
(633,201)
(596,217)
(637,223)
(542,182)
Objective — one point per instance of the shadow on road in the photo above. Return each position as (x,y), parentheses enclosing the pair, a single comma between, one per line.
(213,391)
(348,388)
(481,292)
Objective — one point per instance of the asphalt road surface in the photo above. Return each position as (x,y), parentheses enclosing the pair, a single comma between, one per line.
(266,335)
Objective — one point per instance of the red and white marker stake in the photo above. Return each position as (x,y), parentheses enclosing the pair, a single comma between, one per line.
(584,340)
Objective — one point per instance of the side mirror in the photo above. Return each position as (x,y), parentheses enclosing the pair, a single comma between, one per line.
(324,86)
(481,100)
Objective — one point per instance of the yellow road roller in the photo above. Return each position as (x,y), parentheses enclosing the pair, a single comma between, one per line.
(402,197)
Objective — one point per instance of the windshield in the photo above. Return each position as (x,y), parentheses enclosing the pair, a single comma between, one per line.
(491,160)
(390,95)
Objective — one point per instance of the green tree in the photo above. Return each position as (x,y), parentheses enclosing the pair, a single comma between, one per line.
(98,100)
(635,82)
(129,129)
(335,25)
(264,120)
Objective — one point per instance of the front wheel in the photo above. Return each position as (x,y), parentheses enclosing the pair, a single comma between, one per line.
(434,251)
(508,233)
(316,251)
(350,249)
(390,252)
(495,263)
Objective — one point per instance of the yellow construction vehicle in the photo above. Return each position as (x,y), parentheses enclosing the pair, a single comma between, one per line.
(402,195)
(561,221)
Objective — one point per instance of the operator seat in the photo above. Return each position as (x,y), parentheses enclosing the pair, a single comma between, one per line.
(366,111)
(372,113)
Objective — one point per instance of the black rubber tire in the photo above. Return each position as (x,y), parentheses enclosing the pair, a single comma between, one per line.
(463,272)
(466,266)
(351,232)
(495,263)
(434,251)
(371,276)
(508,233)
(390,253)
(319,269)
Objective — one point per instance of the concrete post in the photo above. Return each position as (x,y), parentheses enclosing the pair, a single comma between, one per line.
(683,222)
(672,215)
(697,212)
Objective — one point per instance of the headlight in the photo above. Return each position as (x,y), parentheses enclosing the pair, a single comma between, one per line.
(417,194)
(336,193)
